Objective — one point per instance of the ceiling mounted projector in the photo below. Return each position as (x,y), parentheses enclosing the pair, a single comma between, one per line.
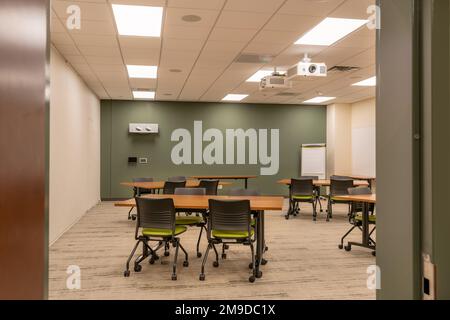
(275,81)
(306,68)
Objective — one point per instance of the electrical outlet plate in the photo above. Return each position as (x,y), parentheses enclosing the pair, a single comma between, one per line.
(143,160)
(143,128)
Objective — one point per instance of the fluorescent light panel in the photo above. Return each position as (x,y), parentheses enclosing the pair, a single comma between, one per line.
(143,21)
(261,74)
(330,31)
(371,82)
(144,94)
(235,97)
(135,71)
(319,99)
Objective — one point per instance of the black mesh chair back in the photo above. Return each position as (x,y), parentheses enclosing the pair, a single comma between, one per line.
(210,186)
(339,187)
(234,215)
(155,213)
(302,187)
(142,190)
(310,177)
(170,186)
(239,192)
(190,191)
(177,178)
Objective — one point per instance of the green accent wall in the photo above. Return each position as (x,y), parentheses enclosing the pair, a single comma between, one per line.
(297,124)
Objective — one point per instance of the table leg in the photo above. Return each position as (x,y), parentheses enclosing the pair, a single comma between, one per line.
(259,243)
(246,183)
(365,225)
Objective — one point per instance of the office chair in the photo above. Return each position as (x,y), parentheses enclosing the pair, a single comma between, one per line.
(189,220)
(316,190)
(229,222)
(156,222)
(210,186)
(338,187)
(356,218)
(170,186)
(138,192)
(176,178)
(301,190)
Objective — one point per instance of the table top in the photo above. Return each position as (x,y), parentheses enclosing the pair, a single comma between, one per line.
(160,184)
(360,177)
(224,177)
(324,183)
(368,198)
(257,203)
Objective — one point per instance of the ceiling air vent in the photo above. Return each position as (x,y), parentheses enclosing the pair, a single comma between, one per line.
(253,58)
(343,69)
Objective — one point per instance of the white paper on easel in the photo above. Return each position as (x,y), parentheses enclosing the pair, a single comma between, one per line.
(313,161)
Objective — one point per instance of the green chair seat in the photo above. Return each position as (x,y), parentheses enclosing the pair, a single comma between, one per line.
(372,218)
(302,197)
(188,220)
(230,234)
(151,232)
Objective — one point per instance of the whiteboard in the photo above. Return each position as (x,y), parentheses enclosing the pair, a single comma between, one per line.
(313,161)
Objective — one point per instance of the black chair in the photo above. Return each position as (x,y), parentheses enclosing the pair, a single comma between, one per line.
(334,177)
(316,190)
(156,222)
(356,216)
(301,190)
(170,186)
(229,222)
(338,187)
(139,192)
(210,186)
(176,178)
(189,220)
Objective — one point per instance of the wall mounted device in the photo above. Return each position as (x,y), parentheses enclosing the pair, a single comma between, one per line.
(132,160)
(143,128)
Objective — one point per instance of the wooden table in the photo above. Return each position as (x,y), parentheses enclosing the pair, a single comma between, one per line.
(369,179)
(366,200)
(237,177)
(324,182)
(258,204)
(157,185)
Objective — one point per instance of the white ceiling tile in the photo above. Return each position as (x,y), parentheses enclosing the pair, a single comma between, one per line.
(310,8)
(100,51)
(263,6)
(61,38)
(289,22)
(56,26)
(185,32)
(242,20)
(183,44)
(95,28)
(196,4)
(94,40)
(353,9)
(104,60)
(67,49)
(265,48)
(174,17)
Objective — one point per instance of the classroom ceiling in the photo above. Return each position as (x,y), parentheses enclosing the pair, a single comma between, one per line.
(197,59)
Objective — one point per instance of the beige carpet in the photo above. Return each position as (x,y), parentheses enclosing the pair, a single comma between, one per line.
(304,262)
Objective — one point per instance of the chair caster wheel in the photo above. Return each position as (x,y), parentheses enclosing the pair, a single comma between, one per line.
(259,274)
(263,262)
(137,268)
(226,246)
(341,246)
(151,261)
(174,277)
(199,254)
(215,264)
(126,273)
(374,253)
(266,248)
(286,217)
(166,253)
(224,256)
(251,279)
(186,264)
(133,218)
(348,248)
(250,266)
(202,277)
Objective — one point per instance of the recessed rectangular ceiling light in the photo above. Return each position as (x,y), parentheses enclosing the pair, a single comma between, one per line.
(371,82)
(261,74)
(319,99)
(330,30)
(143,21)
(149,72)
(144,94)
(235,97)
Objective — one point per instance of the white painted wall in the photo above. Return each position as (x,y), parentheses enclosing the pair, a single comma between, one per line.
(74,147)
(351,138)
(364,138)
